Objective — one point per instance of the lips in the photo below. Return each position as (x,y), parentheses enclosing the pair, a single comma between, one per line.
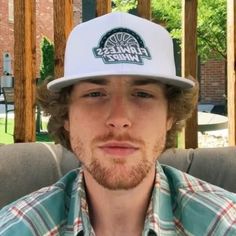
(118,148)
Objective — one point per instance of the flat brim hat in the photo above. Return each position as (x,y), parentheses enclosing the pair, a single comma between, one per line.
(119,44)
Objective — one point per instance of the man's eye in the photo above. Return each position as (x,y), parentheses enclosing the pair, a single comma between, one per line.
(142,95)
(94,94)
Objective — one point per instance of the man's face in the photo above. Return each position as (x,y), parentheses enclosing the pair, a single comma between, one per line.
(118,128)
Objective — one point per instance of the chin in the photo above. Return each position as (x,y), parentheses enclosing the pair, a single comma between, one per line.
(119,176)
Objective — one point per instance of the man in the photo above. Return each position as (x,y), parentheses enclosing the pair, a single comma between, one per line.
(118,107)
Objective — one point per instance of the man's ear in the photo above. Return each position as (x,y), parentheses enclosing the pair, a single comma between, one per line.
(169,123)
(67,125)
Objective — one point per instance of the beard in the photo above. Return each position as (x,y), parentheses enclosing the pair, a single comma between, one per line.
(118,175)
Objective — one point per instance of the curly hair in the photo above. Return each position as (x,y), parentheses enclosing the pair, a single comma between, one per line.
(181,103)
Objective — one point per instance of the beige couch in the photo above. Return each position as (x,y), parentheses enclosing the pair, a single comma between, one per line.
(26,167)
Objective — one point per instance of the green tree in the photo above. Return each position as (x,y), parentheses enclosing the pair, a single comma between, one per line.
(46,69)
(211,29)
(47,59)
(124,5)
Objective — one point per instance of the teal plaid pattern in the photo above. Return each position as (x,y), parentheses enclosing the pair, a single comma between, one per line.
(180,205)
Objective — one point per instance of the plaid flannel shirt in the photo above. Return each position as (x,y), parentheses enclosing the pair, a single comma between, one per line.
(180,205)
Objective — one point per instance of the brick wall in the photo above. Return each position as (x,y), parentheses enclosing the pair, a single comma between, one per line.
(77,10)
(6,33)
(212,81)
(44,27)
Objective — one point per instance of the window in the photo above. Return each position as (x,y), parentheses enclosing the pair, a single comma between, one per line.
(11,10)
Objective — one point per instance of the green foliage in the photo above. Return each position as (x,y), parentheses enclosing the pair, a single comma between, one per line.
(47,59)
(211,29)
(124,5)
(168,12)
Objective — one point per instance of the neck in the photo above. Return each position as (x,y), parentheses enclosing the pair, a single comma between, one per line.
(121,212)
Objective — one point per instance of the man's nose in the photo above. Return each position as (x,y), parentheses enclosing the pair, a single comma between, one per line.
(119,114)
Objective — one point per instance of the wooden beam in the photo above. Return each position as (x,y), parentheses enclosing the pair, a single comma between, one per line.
(189,62)
(144,9)
(24,70)
(63,24)
(103,7)
(231,69)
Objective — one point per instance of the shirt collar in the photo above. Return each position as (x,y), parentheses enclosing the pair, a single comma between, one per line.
(159,218)
(78,215)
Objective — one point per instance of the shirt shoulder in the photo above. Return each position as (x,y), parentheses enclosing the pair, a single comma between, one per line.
(41,212)
(212,209)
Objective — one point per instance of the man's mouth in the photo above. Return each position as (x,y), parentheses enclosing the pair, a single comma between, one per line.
(118,148)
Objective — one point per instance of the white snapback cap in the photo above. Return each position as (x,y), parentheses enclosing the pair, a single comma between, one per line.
(119,44)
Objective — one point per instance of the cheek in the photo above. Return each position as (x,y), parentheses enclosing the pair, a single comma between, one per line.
(84,114)
(156,117)
(82,125)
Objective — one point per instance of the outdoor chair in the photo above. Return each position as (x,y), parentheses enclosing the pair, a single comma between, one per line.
(8,94)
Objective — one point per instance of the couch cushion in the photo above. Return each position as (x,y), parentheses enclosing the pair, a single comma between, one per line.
(26,167)
(214,165)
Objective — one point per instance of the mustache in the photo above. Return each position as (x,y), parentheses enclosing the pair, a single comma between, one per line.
(126,137)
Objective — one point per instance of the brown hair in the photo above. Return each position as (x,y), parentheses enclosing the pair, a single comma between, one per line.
(181,103)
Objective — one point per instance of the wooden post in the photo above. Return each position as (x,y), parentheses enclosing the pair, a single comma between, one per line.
(144,9)
(103,7)
(189,62)
(231,69)
(63,23)
(24,70)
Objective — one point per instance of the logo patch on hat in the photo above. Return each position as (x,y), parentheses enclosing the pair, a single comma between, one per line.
(121,45)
